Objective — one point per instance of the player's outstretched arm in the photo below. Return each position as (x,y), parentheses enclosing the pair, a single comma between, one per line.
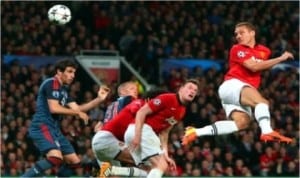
(102,95)
(258,65)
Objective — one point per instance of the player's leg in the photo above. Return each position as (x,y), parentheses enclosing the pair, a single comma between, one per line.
(110,169)
(124,156)
(159,166)
(109,151)
(238,116)
(251,97)
(72,161)
(45,141)
(150,150)
(238,119)
(229,92)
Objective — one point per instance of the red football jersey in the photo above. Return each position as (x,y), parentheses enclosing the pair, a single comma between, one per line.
(167,111)
(118,125)
(240,53)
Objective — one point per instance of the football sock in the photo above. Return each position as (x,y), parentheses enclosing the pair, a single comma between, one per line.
(41,166)
(127,171)
(262,115)
(68,170)
(218,128)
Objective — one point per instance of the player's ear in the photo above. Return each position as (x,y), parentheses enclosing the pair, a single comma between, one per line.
(59,72)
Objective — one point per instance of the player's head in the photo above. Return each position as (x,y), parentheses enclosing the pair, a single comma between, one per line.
(245,33)
(65,70)
(188,90)
(129,88)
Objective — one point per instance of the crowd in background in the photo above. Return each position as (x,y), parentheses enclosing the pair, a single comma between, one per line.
(145,32)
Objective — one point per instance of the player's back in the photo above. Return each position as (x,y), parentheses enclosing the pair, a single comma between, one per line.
(115,107)
(120,122)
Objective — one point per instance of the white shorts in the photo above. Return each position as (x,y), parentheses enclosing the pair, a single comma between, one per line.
(150,143)
(106,147)
(229,92)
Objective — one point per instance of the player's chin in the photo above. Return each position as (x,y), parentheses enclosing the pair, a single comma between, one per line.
(242,42)
(190,98)
(69,81)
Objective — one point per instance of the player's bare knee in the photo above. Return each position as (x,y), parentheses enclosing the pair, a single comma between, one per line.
(163,164)
(241,119)
(159,162)
(264,101)
(72,159)
(260,99)
(242,124)
(55,153)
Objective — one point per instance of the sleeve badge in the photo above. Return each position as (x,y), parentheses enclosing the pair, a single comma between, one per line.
(55,94)
(241,54)
(156,101)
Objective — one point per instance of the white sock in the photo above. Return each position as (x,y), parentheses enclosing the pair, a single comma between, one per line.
(265,126)
(218,128)
(155,173)
(262,115)
(139,172)
(127,171)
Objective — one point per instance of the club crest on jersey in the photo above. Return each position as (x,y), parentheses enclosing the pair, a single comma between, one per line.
(55,94)
(156,101)
(241,54)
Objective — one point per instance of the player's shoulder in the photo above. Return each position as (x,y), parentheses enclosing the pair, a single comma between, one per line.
(262,47)
(169,97)
(238,47)
(50,83)
(136,102)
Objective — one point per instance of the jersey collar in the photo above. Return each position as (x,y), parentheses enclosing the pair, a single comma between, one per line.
(179,101)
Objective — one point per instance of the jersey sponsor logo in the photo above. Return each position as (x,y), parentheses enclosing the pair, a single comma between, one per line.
(171,120)
(156,101)
(55,94)
(241,54)
(173,109)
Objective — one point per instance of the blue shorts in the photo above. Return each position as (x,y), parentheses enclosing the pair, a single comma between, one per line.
(46,138)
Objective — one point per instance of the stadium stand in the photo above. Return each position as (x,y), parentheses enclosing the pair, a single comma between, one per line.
(145,32)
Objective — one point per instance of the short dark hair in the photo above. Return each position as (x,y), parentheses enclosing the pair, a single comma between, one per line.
(61,65)
(192,80)
(249,25)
